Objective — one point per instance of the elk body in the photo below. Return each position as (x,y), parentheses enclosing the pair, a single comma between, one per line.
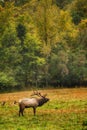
(32,102)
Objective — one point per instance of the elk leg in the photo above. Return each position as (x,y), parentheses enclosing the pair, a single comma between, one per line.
(34,110)
(21,112)
(21,109)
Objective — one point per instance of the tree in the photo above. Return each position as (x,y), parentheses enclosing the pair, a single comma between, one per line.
(63,3)
(6,16)
(40,44)
(82,35)
(31,61)
(9,56)
(21,32)
(78,10)
(77,67)
(58,64)
(44,17)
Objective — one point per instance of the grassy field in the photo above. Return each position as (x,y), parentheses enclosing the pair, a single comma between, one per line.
(66,110)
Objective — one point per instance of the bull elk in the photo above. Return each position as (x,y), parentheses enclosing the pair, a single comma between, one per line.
(32,102)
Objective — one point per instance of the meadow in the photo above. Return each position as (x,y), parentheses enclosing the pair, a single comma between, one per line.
(66,110)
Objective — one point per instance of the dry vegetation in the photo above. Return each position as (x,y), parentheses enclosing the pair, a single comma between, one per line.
(54,94)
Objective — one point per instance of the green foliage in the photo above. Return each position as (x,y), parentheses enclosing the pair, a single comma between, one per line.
(7,79)
(82,36)
(21,2)
(77,68)
(58,64)
(9,56)
(63,3)
(43,42)
(31,60)
(78,10)
(21,32)
(9,47)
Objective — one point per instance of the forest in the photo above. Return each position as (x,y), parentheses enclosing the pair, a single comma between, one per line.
(43,43)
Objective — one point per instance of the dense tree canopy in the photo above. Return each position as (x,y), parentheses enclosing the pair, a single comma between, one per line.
(43,42)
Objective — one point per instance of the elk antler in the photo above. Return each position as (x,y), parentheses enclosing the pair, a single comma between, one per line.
(44,95)
(38,94)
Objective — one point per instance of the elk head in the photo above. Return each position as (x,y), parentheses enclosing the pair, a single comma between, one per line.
(42,98)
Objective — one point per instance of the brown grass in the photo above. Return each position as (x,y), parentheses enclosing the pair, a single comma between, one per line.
(53,94)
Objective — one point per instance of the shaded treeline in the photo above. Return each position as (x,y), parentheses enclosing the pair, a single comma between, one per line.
(43,42)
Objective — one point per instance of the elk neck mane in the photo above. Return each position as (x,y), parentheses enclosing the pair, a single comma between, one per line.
(41,101)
